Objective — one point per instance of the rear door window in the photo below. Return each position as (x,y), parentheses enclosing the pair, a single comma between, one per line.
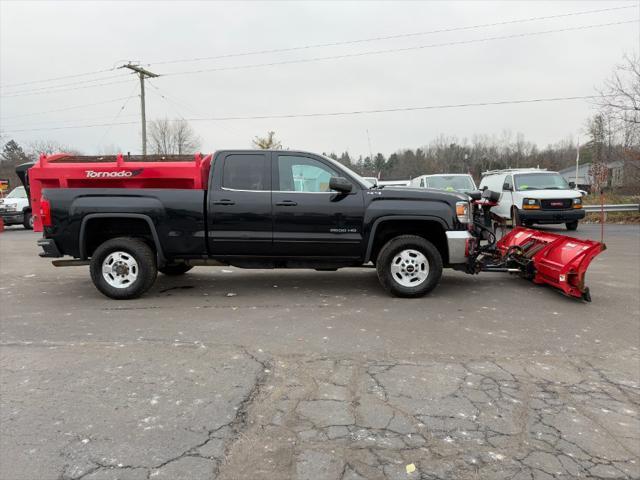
(246,172)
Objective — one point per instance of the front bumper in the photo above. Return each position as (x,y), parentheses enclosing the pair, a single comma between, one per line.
(12,218)
(459,244)
(49,248)
(552,216)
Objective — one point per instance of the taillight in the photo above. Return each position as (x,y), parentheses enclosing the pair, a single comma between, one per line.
(45,212)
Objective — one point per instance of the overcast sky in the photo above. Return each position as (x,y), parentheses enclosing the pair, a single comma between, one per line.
(43,40)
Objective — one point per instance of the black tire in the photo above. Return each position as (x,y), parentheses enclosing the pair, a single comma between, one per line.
(572,226)
(516,221)
(143,255)
(27,220)
(175,269)
(408,242)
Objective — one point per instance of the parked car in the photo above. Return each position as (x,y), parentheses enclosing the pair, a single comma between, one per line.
(394,183)
(246,208)
(372,180)
(534,196)
(15,208)
(452,182)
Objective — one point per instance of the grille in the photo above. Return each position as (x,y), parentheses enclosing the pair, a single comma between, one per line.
(556,204)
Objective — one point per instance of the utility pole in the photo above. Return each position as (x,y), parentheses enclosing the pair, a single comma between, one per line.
(577,162)
(143,74)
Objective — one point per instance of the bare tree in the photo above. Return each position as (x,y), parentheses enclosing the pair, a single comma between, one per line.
(49,147)
(171,137)
(621,92)
(268,142)
(619,101)
(619,109)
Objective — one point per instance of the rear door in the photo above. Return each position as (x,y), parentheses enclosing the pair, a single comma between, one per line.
(309,218)
(239,209)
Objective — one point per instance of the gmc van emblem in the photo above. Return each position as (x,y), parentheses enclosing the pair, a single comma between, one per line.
(556,204)
(113,174)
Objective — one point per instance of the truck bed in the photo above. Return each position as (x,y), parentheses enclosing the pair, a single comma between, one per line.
(64,171)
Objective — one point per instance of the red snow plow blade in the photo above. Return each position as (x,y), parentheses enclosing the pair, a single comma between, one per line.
(551,259)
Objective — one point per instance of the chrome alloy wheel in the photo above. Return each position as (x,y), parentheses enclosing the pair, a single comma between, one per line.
(410,268)
(120,269)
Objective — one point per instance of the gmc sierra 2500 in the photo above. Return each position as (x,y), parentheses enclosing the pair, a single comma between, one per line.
(250,209)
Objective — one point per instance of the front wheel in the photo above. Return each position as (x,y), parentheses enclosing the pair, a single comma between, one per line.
(409,266)
(572,225)
(123,268)
(27,221)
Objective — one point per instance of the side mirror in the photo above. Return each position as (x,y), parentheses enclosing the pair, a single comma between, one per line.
(507,187)
(572,184)
(475,195)
(491,196)
(340,184)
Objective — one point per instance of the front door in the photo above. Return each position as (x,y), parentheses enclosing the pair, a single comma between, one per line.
(503,209)
(239,207)
(309,219)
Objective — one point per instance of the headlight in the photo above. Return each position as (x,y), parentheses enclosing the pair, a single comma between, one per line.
(462,212)
(577,203)
(530,204)
(10,207)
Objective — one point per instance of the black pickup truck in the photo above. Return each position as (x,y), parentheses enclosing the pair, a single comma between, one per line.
(260,209)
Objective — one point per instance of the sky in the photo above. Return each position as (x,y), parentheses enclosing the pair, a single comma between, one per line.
(422,65)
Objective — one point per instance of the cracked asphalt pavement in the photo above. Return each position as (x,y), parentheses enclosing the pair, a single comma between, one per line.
(238,374)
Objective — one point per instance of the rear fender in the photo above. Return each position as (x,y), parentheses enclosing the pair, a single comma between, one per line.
(154,234)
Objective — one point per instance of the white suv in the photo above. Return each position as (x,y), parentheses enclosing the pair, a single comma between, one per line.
(15,208)
(531,195)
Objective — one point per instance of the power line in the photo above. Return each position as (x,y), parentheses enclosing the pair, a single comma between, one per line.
(67,121)
(66,89)
(342,113)
(388,37)
(56,89)
(322,45)
(119,112)
(58,78)
(81,82)
(183,104)
(396,50)
(64,109)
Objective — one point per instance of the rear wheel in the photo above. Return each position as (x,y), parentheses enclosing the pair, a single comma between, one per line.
(572,225)
(409,266)
(27,221)
(123,268)
(175,269)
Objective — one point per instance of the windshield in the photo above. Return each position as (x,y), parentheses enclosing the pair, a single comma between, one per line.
(460,183)
(540,181)
(17,192)
(353,174)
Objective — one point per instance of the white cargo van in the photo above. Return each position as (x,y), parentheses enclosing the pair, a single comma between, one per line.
(531,195)
(15,208)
